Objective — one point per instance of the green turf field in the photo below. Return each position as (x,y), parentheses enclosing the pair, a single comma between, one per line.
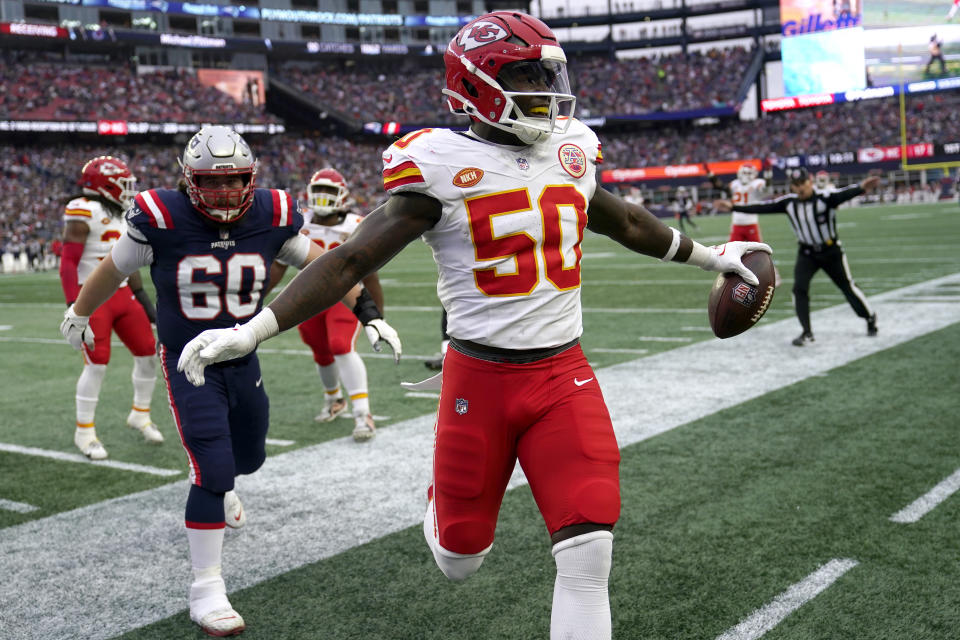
(720,516)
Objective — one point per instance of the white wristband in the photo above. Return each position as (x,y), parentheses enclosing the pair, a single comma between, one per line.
(264,325)
(674,245)
(701,256)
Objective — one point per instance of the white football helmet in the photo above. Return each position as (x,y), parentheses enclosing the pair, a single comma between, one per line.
(821,180)
(327,192)
(217,151)
(747,173)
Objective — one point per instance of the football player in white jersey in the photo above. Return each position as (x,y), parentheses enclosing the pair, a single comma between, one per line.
(503,206)
(747,188)
(332,334)
(93,222)
(822,183)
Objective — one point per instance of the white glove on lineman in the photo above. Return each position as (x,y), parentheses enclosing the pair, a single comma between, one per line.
(378,330)
(76,329)
(725,258)
(217,345)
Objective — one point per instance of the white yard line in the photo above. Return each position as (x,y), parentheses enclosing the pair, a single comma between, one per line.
(928,501)
(281,443)
(19,507)
(76,457)
(315,502)
(770,615)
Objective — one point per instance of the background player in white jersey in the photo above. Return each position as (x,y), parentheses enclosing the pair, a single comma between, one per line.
(503,206)
(92,224)
(747,188)
(332,334)
(822,182)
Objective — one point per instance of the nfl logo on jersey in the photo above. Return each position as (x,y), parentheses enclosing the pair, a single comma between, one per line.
(461,407)
(523,164)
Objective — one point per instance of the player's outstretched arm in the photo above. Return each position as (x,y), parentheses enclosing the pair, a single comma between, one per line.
(97,289)
(328,279)
(639,230)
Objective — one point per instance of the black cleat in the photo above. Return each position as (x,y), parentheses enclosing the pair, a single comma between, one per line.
(802,339)
(434,364)
(872,326)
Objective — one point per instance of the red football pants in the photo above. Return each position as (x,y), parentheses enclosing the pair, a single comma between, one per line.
(123,314)
(329,333)
(550,415)
(745,233)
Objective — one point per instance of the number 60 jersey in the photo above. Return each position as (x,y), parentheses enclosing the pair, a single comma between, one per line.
(507,244)
(208,276)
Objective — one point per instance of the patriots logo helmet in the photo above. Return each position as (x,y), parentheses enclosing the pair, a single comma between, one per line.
(220,172)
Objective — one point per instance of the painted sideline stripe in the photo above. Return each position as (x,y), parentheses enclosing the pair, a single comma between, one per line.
(40,574)
(76,457)
(770,615)
(19,507)
(928,501)
(280,443)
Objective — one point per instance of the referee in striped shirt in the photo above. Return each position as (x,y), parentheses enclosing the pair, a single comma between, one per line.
(813,217)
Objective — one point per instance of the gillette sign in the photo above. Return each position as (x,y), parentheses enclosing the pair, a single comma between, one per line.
(815,22)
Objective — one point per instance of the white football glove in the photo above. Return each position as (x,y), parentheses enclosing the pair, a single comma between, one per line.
(725,258)
(214,345)
(378,330)
(76,329)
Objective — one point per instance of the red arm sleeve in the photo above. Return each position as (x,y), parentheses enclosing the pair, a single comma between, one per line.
(72,251)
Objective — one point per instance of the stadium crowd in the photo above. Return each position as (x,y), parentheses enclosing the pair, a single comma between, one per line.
(672,82)
(39,178)
(58,91)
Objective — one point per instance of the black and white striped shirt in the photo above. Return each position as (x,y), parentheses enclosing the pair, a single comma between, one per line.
(814,220)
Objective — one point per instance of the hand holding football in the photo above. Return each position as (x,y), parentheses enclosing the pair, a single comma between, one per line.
(735,306)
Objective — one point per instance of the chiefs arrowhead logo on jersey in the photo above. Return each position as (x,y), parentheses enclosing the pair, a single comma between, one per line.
(573,160)
(467,177)
(482,33)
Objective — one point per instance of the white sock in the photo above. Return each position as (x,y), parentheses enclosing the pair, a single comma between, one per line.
(88,393)
(208,592)
(144,378)
(354,375)
(330,378)
(581,602)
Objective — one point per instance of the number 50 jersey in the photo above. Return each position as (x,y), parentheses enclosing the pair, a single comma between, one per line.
(507,245)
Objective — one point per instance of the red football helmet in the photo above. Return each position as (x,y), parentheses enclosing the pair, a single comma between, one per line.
(327,192)
(505,58)
(110,178)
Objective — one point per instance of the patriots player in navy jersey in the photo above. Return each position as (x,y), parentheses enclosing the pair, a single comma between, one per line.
(209,246)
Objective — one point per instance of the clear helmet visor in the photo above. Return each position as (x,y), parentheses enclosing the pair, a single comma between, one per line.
(540,92)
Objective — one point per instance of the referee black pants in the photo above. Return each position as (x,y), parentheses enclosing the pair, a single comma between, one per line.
(834,262)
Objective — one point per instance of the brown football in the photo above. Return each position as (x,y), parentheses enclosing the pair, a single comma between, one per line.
(734,305)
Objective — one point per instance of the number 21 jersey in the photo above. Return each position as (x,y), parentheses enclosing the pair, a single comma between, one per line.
(507,245)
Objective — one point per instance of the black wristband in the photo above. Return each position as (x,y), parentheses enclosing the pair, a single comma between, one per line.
(365,308)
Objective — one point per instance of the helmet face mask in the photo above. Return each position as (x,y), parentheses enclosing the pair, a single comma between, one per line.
(747,173)
(327,192)
(220,172)
(109,177)
(507,70)
(821,179)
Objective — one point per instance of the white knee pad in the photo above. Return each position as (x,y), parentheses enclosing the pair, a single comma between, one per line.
(456,566)
(581,603)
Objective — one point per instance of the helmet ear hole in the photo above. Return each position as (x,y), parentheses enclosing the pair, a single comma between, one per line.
(470,89)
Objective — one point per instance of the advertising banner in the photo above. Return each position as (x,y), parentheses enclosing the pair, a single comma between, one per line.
(243,86)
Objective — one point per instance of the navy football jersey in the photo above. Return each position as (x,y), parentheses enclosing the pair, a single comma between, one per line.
(207,276)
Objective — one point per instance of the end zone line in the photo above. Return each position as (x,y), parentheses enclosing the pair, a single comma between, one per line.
(770,615)
(76,457)
(928,501)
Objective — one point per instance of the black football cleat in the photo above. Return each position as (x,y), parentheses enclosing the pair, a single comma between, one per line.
(802,339)
(434,364)
(872,326)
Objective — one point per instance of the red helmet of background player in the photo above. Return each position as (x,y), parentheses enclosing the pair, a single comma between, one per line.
(110,178)
(505,58)
(327,192)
